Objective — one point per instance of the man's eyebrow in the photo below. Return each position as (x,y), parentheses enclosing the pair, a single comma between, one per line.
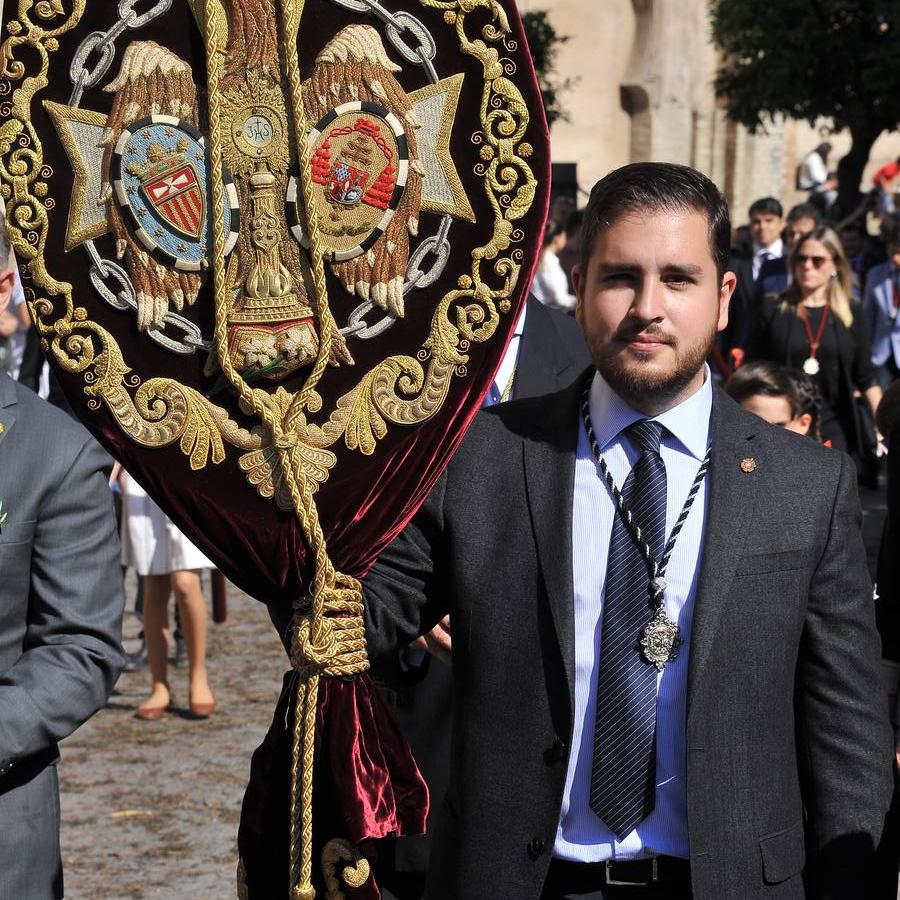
(619,268)
(624,268)
(683,269)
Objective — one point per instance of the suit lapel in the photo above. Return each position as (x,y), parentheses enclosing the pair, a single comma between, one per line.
(549,483)
(730,500)
(7,406)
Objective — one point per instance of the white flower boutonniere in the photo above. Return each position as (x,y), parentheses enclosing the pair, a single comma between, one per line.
(2,514)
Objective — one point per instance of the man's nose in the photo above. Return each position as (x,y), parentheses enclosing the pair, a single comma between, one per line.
(649,300)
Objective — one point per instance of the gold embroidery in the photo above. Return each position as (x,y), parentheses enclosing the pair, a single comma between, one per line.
(354,874)
(242,891)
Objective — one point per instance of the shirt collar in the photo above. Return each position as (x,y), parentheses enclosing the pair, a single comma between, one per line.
(776,248)
(520,322)
(688,422)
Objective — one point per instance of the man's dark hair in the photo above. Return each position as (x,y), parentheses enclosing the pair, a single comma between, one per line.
(656,187)
(805,211)
(766,206)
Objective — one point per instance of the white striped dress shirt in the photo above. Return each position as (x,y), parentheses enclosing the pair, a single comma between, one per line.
(581,836)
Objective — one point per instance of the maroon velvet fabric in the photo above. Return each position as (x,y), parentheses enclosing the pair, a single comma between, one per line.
(366,778)
(367,784)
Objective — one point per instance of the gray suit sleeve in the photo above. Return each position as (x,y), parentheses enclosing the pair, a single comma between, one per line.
(72,653)
(845,739)
(407,590)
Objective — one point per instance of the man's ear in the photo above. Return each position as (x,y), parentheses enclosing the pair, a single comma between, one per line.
(578,283)
(7,282)
(726,289)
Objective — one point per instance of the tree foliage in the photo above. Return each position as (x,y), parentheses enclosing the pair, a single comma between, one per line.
(813,58)
(545,42)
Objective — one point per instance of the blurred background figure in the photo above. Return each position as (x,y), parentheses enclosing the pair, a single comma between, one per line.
(812,172)
(881,304)
(884,180)
(550,284)
(813,176)
(784,397)
(167,562)
(815,325)
(561,207)
(571,250)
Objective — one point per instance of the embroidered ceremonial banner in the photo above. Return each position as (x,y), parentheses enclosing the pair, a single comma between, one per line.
(274,251)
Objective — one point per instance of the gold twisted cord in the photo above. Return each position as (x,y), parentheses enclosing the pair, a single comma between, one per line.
(332,643)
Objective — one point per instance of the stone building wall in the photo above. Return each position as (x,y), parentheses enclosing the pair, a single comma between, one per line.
(644,73)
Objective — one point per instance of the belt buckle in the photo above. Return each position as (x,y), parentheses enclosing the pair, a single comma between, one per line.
(654,875)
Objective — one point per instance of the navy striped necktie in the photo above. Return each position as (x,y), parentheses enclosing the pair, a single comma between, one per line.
(623,770)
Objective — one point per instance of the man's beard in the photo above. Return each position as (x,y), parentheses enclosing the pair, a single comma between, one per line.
(634,381)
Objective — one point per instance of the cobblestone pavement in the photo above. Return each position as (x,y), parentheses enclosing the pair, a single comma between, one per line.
(150,810)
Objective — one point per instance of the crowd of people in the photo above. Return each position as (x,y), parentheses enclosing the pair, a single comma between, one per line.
(657,609)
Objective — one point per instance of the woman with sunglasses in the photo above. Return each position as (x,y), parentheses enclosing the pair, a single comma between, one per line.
(816,326)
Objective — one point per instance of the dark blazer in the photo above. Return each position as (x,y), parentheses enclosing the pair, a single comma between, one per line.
(773,277)
(61,605)
(739,310)
(552,353)
(788,744)
(746,302)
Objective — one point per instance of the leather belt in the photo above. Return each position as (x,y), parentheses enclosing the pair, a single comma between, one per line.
(662,870)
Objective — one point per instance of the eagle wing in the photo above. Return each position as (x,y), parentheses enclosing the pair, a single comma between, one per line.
(151,81)
(353,66)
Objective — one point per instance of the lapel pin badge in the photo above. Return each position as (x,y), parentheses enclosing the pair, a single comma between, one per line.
(2,428)
(749,465)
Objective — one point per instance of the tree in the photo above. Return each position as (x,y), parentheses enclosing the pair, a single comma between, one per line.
(808,59)
(544,42)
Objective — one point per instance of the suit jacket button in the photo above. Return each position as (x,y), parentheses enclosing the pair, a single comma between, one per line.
(535,848)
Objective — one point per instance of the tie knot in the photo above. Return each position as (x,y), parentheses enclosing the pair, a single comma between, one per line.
(646,435)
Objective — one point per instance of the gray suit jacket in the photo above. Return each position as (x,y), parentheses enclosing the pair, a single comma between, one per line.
(788,745)
(61,605)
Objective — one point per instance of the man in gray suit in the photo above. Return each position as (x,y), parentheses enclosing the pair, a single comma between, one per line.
(61,605)
(665,665)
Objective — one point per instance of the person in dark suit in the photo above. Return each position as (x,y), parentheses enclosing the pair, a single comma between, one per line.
(547,353)
(665,665)
(767,246)
(61,606)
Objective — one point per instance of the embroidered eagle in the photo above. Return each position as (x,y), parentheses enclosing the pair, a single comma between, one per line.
(354,66)
(151,81)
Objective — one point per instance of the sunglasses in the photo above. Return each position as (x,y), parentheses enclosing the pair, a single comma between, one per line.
(817,261)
